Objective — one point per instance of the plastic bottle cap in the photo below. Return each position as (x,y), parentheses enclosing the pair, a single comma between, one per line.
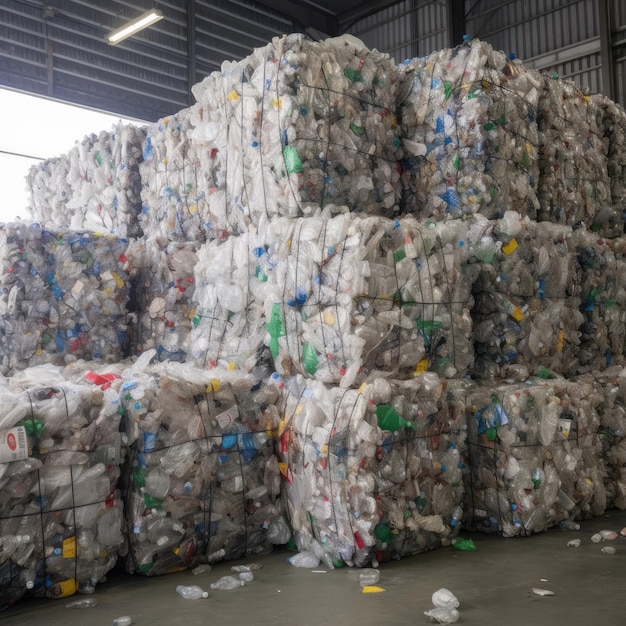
(205,594)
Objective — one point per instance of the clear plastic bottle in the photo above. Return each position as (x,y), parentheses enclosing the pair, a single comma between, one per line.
(123,620)
(444,599)
(443,615)
(304,559)
(568,524)
(82,603)
(226,583)
(369,576)
(191,592)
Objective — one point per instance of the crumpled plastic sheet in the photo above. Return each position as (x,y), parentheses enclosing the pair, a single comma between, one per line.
(63,296)
(527,300)
(163,285)
(535,456)
(232,282)
(574,184)
(603,266)
(612,433)
(175,204)
(614,132)
(361,296)
(202,479)
(469,126)
(298,125)
(370,474)
(61,513)
(95,186)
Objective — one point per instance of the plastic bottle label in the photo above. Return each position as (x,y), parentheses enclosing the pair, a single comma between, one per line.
(69,548)
(227,418)
(13,444)
(67,587)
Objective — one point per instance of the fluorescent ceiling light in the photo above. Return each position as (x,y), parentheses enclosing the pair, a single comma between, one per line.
(134,26)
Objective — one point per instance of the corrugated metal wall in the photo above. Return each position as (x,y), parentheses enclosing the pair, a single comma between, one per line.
(619,50)
(409,29)
(561,36)
(62,53)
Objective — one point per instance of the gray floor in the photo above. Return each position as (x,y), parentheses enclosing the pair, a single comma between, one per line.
(494,585)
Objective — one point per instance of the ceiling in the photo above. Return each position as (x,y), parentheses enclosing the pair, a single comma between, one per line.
(331,17)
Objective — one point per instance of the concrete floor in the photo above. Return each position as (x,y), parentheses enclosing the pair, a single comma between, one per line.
(493,584)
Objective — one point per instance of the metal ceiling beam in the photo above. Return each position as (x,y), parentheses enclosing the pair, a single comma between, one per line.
(605,11)
(304,16)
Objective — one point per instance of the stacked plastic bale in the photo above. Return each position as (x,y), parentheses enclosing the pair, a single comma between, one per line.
(61,514)
(163,283)
(603,263)
(49,189)
(232,283)
(534,455)
(612,433)
(527,315)
(202,479)
(63,296)
(614,133)
(470,136)
(96,186)
(357,296)
(172,190)
(574,185)
(370,474)
(296,126)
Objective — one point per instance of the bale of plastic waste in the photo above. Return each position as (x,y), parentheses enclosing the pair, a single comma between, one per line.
(202,480)
(535,458)
(527,301)
(63,296)
(95,186)
(175,205)
(163,284)
(603,332)
(370,474)
(298,125)
(574,185)
(356,296)
(49,190)
(61,514)
(469,126)
(614,133)
(232,281)
(612,433)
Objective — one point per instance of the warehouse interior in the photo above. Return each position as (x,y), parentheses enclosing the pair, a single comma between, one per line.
(336,330)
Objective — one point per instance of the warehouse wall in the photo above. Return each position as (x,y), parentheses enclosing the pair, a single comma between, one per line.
(61,52)
(619,50)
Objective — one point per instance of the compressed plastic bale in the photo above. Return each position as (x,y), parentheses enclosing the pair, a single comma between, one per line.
(172,192)
(61,516)
(232,283)
(202,479)
(534,456)
(614,133)
(101,189)
(527,300)
(356,296)
(603,263)
(162,276)
(298,125)
(369,474)
(469,131)
(49,190)
(611,433)
(63,296)
(574,185)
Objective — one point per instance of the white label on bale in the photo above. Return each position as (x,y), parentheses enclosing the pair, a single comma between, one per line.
(227,418)
(13,444)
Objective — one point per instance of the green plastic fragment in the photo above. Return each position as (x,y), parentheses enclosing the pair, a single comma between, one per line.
(276,328)
(383,533)
(357,130)
(292,160)
(466,545)
(447,89)
(32,426)
(354,76)
(389,419)
(309,358)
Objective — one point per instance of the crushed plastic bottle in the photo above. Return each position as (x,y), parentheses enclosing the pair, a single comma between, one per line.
(227,583)
(443,598)
(123,620)
(304,559)
(369,576)
(82,603)
(443,615)
(191,592)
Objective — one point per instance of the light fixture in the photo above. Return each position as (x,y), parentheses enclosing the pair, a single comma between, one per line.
(134,26)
